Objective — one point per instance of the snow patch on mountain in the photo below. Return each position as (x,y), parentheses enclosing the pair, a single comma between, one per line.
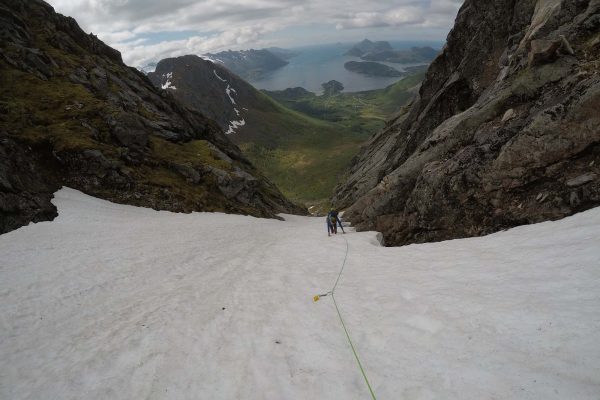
(218,76)
(228,90)
(211,59)
(168,83)
(233,125)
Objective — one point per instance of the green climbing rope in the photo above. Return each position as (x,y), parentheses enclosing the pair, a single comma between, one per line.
(342,269)
(332,293)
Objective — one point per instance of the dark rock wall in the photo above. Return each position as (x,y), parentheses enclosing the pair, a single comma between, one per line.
(25,194)
(505,130)
(71,113)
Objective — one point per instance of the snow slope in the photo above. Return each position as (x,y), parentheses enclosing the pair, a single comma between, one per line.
(117,302)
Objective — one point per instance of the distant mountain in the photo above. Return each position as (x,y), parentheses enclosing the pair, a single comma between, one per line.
(284,54)
(207,87)
(245,114)
(149,67)
(290,93)
(383,51)
(412,55)
(332,87)
(367,46)
(371,69)
(252,64)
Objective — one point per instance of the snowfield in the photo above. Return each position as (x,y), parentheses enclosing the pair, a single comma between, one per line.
(118,302)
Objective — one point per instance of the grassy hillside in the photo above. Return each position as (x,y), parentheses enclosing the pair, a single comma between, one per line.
(305,144)
(360,112)
(302,155)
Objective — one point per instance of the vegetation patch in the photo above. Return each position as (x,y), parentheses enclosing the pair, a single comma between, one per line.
(193,153)
(59,111)
(312,138)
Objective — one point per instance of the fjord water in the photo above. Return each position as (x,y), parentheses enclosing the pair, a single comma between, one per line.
(315,65)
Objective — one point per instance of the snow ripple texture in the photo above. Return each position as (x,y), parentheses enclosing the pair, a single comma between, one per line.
(118,302)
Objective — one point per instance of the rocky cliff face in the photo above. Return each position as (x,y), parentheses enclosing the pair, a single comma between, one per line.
(505,130)
(73,114)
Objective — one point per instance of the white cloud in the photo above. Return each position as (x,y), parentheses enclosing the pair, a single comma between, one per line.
(127,24)
(398,17)
(445,7)
(140,53)
(116,37)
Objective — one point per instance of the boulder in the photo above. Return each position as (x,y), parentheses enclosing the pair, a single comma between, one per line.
(581,179)
(543,51)
(128,130)
(508,115)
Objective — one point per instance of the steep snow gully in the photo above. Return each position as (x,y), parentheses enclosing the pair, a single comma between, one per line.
(113,301)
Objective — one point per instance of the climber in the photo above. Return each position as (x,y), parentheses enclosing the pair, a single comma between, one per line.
(333,221)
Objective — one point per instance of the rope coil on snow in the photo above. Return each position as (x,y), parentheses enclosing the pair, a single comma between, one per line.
(332,293)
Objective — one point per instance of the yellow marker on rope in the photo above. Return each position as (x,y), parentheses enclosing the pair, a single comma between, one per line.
(318,296)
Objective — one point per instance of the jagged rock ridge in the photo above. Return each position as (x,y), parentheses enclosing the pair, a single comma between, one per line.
(505,130)
(73,114)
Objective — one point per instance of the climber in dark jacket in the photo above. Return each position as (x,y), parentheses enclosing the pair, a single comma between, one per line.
(333,221)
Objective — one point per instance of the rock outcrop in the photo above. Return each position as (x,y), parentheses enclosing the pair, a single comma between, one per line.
(72,113)
(505,130)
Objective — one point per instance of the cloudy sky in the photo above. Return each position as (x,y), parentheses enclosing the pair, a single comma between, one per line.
(149,30)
